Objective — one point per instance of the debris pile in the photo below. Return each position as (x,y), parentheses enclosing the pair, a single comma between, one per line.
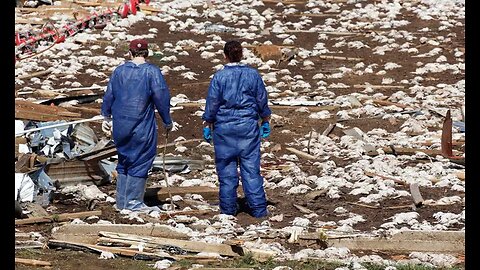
(365,165)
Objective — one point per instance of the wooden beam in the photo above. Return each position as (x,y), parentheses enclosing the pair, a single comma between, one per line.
(57,218)
(115,250)
(32,262)
(408,241)
(193,246)
(379,86)
(446,140)
(35,74)
(389,103)
(88,233)
(301,153)
(313,15)
(333,57)
(286,2)
(408,151)
(38,112)
(372,174)
(29,21)
(161,193)
(144,7)
(416,195)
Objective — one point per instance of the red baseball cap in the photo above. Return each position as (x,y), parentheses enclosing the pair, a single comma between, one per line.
(138,44)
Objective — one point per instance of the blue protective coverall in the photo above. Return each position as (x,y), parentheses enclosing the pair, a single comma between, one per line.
(236,100)
(133,93)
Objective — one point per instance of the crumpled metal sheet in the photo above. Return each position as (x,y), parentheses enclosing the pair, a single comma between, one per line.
(178,164)
(83,134)
(71,172)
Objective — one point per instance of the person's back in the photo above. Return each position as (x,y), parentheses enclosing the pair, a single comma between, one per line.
(135,89)
(240,89)
(236,100)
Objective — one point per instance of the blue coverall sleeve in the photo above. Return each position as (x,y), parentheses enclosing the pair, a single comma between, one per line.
(213,101)
(262,99)
(161,95)
(108,98)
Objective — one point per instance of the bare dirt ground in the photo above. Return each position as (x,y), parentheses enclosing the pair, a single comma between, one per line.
(298,123)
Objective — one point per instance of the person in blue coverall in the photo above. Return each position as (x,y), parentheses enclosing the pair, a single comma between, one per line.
(236,102)
(135,89)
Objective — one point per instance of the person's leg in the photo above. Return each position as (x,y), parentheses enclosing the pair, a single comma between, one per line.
(121,191)
(252,181)
(135,192)
(120,196)
(228,179)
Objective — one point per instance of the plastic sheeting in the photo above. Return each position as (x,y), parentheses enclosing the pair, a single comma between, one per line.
(24,187)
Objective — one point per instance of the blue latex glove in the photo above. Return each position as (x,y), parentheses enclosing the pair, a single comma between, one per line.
(265,130)
(207,134)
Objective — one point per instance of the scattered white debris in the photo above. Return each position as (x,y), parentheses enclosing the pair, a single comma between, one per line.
(105,255)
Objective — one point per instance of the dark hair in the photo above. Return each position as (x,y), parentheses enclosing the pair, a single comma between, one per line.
(233,51)
(135,53)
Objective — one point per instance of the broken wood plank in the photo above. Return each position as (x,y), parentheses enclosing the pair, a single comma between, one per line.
(32,262)
(423,241)
(303,209)
(301,154)
(57,217)
(31,111)
(389,103)
(329,129)
(379,86)
(372,174)
(430,143)
(35,74)
(408,151)
(83,110)
(364,205)
(161,193)
(332,57)
(29,21)
(446,140)
(96,4)
(99,249)
(380,207)
(313,14)
(144,7)
(88,233)
(99,155)
(29,244)
(416,195)
(324,32)
(192,246)
(286,2)
(313,195)
(170,214)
